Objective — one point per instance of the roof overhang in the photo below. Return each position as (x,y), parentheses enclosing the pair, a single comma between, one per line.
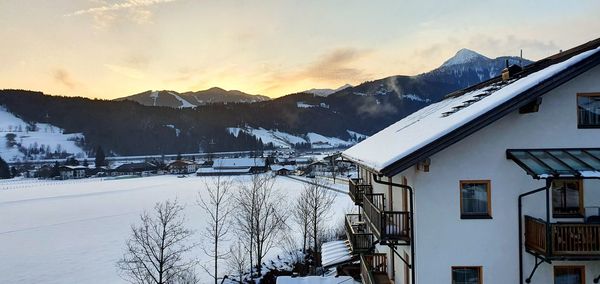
(581,163)
(486,119)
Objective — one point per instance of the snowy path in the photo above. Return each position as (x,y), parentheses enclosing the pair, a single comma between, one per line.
(74,231)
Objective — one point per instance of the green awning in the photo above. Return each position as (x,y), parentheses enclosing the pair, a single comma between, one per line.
(558,163)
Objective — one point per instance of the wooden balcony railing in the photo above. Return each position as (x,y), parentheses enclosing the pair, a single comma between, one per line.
(387,226)
(361,241)
(357,187)
(373,269)
(566,240)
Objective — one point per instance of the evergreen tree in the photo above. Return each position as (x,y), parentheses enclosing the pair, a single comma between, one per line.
(100,157)
(55,172)
(4,169)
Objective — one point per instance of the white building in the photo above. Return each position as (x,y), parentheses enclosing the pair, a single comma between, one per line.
(495,184)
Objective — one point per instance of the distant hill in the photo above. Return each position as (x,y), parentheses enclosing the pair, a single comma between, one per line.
(193,99)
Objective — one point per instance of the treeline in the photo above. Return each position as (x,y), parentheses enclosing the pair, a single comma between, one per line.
(128,128)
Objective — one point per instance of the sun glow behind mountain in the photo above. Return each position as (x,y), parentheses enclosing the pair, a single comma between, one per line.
(109,49)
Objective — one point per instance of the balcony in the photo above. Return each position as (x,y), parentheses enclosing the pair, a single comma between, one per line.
(390,227)
(357,187)
(562,241)
(373,269)
(361,241)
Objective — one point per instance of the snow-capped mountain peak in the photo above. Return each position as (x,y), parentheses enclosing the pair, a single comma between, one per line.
(464,56)
(326,92)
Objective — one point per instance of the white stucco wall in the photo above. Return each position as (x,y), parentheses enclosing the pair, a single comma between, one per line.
(444,240)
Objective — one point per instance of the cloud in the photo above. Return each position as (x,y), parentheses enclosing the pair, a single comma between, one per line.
(106,14)
(129,4)
(334,67)
(63,77)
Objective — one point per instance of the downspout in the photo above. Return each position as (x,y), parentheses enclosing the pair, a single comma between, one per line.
(521,223)
(412,229)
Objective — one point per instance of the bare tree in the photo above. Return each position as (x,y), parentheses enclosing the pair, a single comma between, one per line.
(261,216)
(157,248)
(301,216)
(238,260)
(215,203)
(319,201)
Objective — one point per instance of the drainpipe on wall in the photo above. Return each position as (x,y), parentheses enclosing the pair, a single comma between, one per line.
(377,179)
(545,188)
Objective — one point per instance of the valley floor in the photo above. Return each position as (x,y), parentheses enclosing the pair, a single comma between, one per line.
(74,231)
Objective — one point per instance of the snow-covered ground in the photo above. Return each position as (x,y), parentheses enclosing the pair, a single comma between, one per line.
(45,136)
(74,231)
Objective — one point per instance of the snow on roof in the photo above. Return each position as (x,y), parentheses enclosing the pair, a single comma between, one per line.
(436,120)
(279,167)
(335,252)
(238,162)
(222,171)
(74,167)
(315,280)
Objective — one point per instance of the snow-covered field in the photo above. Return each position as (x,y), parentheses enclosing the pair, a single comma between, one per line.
(74,231)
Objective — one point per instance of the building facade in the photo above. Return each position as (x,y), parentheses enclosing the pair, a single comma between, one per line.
(502,189)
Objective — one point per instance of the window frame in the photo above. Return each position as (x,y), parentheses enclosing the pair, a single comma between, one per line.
(581,211)
(487,215)
(584,126)
(478,268)
(558,267)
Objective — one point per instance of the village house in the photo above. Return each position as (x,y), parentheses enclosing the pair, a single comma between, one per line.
(283,170)
(182,167)
(318,167)
(495,184)
(234,166)
(142,169)
(72,172)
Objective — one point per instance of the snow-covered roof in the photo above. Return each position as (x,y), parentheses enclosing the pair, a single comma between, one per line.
(316,280)
(336,252)
(436,120)
(74,167)
(222,171)
(238,162)
(279,167)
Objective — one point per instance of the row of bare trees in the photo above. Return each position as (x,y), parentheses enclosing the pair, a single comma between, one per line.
(310,212)
(251,216)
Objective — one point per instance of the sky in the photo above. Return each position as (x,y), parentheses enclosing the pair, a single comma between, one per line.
(115,48)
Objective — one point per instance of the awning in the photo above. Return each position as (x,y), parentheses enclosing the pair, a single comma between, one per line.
(334,253)
(558,163)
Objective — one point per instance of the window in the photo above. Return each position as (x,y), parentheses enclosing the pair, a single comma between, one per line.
(475,199)
(569,274)
(567,199)
(588,110)
(466,275)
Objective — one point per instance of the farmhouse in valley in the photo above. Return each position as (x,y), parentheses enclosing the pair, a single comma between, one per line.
(72,172)
(497,183)
(182,167)
(234,166)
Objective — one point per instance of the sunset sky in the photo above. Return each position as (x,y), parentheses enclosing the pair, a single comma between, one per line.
(114,48)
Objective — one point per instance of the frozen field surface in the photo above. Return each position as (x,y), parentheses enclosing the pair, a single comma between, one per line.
(75,231)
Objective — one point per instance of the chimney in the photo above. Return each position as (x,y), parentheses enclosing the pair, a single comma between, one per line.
(510,71)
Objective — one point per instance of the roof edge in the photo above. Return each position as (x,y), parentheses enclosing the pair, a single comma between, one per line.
(491,116)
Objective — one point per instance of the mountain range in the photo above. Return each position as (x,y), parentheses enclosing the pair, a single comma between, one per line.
(192,99)
(309,119)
